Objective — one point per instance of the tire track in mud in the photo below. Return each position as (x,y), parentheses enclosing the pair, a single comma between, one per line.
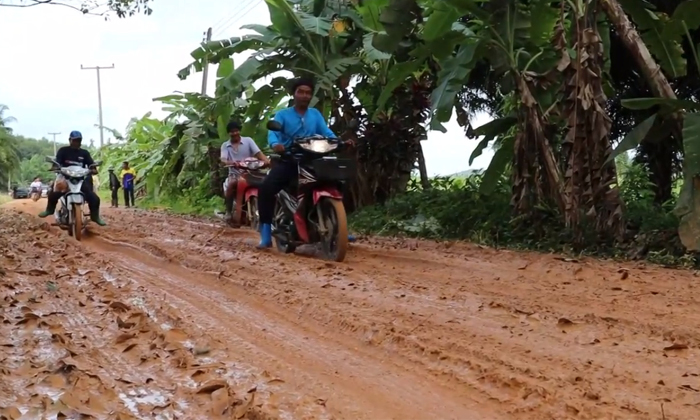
(528,335)
(352,383)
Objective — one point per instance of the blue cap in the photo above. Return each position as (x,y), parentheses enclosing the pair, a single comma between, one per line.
(75,134)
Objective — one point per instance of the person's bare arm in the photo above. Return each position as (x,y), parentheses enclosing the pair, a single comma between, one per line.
(261,156)
(224,155)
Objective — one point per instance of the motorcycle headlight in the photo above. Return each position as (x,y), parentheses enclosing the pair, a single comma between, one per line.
(319,146)
(75,172)
(254,164)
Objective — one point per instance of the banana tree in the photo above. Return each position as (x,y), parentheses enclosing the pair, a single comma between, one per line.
(688,205)
(304,42)
(513,38)
(147,147)
(590,184)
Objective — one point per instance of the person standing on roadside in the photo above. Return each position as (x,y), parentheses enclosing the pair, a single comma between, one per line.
(114,186)
(128,176)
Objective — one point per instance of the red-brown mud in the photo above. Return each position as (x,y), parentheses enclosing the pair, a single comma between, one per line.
(184,317)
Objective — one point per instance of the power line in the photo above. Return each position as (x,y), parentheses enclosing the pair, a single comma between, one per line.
(219,22)
(241,16)
(226,22)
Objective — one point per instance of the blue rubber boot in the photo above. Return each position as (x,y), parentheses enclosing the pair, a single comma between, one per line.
(351,238)
(265,236)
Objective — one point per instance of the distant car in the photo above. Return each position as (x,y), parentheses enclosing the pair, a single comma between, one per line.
(20,192)
(44,191)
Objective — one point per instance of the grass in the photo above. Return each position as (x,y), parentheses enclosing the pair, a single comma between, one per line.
(179,205)
(5,198)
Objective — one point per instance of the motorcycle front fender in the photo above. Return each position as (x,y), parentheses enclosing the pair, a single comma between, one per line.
(250,192)
(326,192)
(74,198)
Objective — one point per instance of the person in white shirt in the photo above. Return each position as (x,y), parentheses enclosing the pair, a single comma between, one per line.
(236,149)
(35,187)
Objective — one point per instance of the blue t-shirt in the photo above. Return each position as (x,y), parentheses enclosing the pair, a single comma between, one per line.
(296,125)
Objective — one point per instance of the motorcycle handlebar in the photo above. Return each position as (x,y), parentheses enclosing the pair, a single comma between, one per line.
(299,140)
(241,165)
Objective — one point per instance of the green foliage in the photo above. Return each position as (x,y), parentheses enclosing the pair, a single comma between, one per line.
(32,168)
(456,209)
(193,200)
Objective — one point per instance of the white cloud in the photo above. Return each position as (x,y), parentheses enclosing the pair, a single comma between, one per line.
(42,83)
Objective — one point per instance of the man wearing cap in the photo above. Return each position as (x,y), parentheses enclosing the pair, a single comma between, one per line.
(64,157)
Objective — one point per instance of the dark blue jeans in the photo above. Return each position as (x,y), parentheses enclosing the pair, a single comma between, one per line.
(282,173)
(129,194)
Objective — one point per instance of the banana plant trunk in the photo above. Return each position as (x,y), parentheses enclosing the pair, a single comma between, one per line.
(216,186)
(537,177)
(423,168)
(633,42)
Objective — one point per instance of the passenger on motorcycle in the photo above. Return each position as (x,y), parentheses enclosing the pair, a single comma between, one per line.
(236,149)
(298,120)
(75,153)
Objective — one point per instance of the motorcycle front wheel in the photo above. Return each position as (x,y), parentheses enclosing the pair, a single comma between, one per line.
(253,213)
(76,226)
(283,245)
(335,242)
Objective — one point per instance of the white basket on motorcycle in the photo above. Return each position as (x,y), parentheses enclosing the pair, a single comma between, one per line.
(335,169)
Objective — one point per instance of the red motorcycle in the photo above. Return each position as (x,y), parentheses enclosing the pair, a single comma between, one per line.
(311,210)
(246,204)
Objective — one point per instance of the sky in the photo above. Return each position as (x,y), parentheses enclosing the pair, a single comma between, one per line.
(42,83)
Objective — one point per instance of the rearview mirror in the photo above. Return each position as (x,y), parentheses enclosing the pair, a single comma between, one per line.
(353,124)
(97,163)
(49,159)
(274,126)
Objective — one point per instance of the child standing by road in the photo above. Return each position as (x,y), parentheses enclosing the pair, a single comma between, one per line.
(128,176)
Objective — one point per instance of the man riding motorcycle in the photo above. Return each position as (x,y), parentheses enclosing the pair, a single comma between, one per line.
(236,149)
(65,155)
(299,120)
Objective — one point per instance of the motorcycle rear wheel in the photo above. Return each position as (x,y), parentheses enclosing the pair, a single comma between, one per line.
(335,244)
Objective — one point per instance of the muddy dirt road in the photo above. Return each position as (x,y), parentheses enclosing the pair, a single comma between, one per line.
(179,318)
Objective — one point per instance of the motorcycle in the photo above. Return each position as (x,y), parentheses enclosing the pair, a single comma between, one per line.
(70,214)
(35,194)
(311,210)
(246,204)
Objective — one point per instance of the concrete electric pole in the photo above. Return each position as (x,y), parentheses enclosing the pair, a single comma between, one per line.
(54,142)
(205,74)
(99,96)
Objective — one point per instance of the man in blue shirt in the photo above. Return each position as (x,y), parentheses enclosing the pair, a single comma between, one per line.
(297,121)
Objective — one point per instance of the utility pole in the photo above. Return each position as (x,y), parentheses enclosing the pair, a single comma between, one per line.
(99,96)
(54,142)
(207,38)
